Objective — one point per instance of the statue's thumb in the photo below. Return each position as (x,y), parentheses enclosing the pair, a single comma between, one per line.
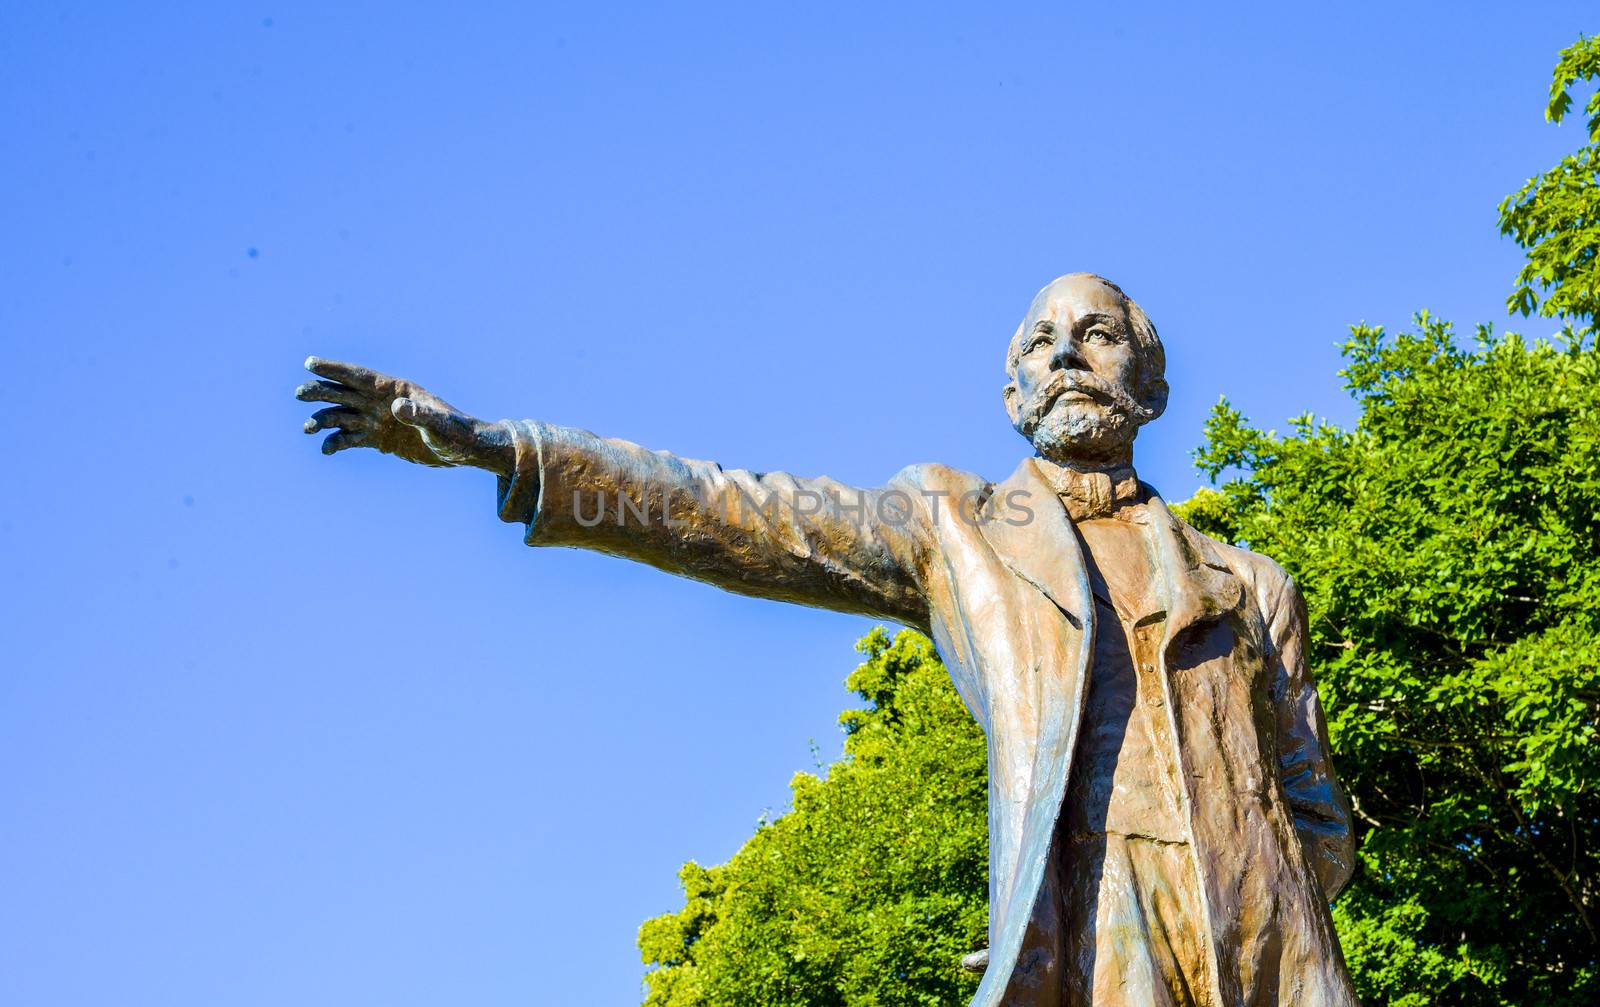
(414,415)
(439,431)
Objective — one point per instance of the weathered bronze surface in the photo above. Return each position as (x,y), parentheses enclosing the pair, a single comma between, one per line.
(1164,823)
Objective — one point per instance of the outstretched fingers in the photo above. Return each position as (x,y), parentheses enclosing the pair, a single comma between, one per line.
(336,417)
(357,377)
(330,391)
(343,439)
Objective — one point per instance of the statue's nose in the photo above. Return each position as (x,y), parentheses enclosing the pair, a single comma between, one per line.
(1068,356)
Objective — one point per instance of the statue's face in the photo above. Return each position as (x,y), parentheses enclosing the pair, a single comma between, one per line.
(1075,388)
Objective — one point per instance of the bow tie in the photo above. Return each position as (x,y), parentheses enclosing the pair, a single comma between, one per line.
(1090,495)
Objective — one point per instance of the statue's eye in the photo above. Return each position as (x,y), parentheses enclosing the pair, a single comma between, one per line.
(1101,335)
(1042,336)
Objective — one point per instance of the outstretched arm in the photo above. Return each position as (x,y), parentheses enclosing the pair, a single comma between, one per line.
(811,541)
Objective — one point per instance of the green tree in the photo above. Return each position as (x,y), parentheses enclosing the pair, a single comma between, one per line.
(872,888)
(1556,215)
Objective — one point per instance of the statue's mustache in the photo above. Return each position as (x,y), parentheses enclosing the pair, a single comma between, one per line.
(1097,388)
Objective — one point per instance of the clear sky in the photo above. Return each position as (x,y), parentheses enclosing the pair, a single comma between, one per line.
(282,729)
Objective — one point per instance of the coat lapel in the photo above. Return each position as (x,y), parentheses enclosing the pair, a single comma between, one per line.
(1043,549)
(1198,584)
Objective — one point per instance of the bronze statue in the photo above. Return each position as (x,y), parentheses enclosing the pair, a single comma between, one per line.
(1165,826)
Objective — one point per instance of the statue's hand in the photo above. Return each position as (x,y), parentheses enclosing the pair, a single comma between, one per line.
(397,417)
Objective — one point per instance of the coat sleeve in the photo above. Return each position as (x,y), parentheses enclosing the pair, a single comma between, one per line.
(1317,802)
(811,541)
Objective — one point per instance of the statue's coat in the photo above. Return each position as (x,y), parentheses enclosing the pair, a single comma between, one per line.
(1008,605)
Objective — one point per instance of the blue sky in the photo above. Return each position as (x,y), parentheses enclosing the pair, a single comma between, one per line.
(277,728)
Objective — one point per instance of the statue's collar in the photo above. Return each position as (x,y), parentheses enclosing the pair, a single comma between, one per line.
(1091,493)
(1037,542)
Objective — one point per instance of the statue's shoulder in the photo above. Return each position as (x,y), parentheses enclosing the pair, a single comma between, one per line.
(938,477)
(1262,574)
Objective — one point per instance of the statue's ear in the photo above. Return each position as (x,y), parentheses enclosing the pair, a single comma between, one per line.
(1013,401)
(1155,397)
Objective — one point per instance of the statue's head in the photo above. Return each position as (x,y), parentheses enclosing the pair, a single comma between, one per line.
(1086,371)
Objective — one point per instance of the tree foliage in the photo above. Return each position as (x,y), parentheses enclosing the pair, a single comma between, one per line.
(1556,215)
(872,888)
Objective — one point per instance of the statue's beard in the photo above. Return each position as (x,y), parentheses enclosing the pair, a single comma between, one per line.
(1066,430)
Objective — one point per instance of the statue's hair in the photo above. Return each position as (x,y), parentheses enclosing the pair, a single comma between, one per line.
(1152,382)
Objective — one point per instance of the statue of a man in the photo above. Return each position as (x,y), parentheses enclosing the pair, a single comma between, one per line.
(1165,827)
